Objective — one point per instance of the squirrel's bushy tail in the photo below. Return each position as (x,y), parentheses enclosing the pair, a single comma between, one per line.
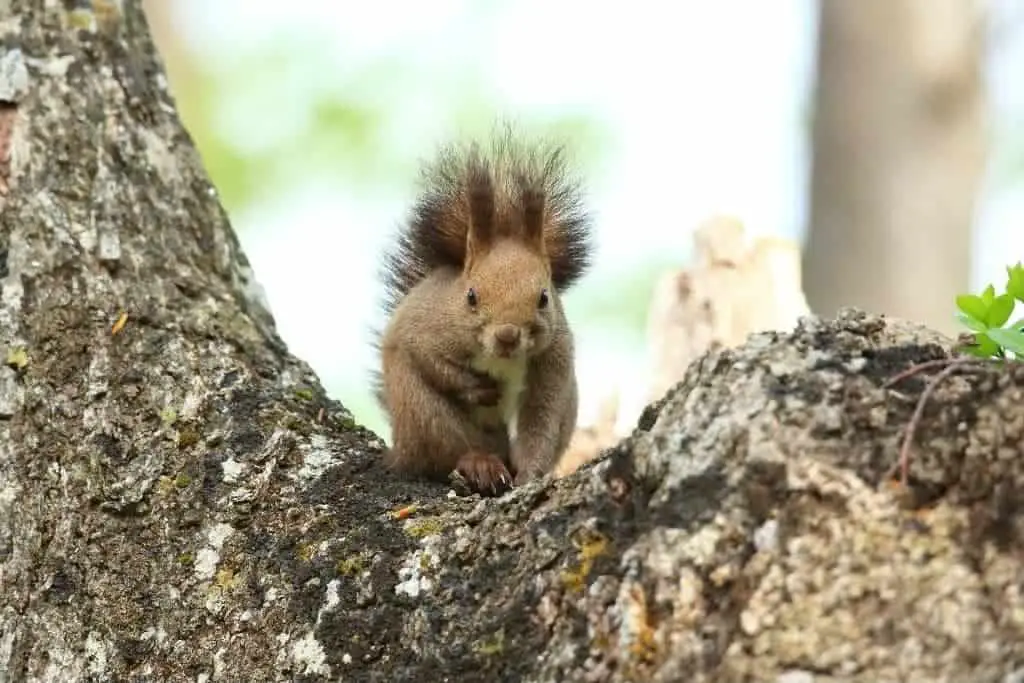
(434,235)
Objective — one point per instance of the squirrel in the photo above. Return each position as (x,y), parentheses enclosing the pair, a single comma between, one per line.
(477,372)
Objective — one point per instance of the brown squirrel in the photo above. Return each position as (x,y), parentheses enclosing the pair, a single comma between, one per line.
(477,369)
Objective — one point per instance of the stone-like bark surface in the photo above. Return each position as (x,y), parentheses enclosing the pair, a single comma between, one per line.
(180,502)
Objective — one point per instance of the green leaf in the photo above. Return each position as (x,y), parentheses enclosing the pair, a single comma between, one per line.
(973,306)
(988,294)
(1015,281)
(983,347)
(1016,324)
(971,323)
(1000,309)
(1011,340)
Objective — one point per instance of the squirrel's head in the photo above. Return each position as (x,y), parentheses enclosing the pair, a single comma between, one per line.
(508,287)
(510,296)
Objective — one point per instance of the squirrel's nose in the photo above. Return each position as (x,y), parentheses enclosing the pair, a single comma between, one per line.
(507,336)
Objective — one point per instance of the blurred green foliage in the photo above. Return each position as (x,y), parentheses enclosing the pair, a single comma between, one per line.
(335,126)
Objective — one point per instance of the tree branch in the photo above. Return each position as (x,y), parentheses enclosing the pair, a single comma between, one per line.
(179,500)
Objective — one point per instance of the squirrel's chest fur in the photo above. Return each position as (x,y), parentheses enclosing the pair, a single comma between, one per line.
(511,374)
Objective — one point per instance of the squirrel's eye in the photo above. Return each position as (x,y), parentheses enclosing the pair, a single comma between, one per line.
(543,302)
(471,297)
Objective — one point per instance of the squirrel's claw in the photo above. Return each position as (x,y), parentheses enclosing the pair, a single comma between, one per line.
(484,472)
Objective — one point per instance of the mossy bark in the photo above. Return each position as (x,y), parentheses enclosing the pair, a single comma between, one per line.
(179,501)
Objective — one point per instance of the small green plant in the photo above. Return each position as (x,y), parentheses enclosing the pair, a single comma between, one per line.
(986,316)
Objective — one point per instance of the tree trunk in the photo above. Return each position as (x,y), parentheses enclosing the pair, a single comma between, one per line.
(179,501)
(899,151)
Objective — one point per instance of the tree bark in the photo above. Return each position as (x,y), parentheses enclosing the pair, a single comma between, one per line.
(179,501)
(898,156)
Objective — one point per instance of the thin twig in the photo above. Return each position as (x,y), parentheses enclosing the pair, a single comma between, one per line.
(952,365)
(920,367)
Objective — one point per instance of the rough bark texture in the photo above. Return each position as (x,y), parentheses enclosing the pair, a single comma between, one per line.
(180,502)
(734,286)
(899,150)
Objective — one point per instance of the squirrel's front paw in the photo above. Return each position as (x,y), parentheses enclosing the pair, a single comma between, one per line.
(485,473)
(484,391)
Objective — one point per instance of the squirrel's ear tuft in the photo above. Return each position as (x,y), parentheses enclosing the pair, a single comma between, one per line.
(532,198)
(480,198)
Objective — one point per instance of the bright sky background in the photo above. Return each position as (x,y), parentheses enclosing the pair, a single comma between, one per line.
(706,102)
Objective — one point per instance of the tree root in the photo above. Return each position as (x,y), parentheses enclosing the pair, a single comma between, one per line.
(949,366)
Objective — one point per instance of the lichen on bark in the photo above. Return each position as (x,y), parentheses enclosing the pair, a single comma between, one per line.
(180,501)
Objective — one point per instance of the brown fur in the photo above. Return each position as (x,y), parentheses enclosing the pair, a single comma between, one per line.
(474,284)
